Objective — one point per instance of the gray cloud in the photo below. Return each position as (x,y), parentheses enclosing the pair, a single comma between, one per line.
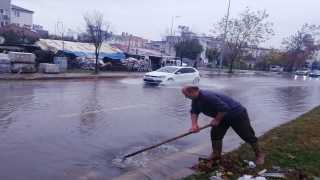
(147,18)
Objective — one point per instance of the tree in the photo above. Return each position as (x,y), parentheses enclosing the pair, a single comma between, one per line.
(212,54)
(299,47)
(272,57)
(18,37)
(248,29)
(190,49)
(96,29)
(186,45)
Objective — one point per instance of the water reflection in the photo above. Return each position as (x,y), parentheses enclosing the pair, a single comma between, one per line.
(90,104)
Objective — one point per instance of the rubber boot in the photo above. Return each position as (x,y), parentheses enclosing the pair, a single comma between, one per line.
(216,150)
(259,154)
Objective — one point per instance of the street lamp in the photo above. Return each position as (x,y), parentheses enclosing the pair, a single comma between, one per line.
(171,32)
(224,39)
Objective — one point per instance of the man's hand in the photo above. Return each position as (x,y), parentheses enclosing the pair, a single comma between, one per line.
(194,129)
(214,122)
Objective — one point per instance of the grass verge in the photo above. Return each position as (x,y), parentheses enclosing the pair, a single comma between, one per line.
(293,146)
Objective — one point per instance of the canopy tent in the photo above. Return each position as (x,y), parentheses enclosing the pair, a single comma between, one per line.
(80,49)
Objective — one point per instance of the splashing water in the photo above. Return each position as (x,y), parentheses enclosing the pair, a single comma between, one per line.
(142,159)
(166,149)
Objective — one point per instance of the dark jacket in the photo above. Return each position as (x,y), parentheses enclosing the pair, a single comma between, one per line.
(210,103)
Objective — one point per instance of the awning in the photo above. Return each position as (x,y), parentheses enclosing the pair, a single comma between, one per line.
(80,49)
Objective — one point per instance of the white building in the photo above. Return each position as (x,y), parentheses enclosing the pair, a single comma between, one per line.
(5,12)
(254,51)
(21,17)
(314,58)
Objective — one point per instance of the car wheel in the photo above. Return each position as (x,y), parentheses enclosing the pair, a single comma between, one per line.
(195,81)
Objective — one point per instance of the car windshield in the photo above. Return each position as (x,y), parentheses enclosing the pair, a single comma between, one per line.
(303,69)
(167,69)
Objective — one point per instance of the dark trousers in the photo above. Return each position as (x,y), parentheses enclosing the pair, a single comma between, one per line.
(240,124)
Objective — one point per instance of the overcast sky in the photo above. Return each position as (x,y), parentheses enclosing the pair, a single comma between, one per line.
(148,18)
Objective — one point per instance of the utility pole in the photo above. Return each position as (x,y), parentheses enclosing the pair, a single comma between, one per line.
(224,39)
(61,31)
(171,33)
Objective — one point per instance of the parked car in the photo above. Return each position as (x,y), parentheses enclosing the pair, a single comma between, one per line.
(172,74)
(274,68)
(314,73)
(303,71)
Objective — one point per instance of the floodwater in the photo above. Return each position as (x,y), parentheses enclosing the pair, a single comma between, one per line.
(82,129)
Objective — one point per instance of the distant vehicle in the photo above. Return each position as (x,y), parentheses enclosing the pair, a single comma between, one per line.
(173,62)
(314,73)
(274,68)
(172,74)
(303,71)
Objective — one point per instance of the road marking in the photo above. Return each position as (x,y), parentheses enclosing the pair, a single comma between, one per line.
(41,94)
(106,110)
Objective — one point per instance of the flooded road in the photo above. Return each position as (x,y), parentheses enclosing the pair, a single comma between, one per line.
(82,129)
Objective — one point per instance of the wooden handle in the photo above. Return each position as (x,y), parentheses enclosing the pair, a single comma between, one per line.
(163,142)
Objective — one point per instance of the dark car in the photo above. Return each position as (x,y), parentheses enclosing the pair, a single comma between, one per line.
(314,73)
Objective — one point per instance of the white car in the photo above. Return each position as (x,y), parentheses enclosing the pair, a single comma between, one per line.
(172,74)
(303,71)
(274,68)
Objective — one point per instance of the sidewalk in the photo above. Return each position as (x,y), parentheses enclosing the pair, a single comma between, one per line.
(60,76)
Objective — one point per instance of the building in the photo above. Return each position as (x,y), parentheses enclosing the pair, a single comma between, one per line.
(134,41)
(314,61)
(18,16)
(115,39)
(158,45)
(5,8)
(126,40)
(12,14)
(254,51)
(21,17)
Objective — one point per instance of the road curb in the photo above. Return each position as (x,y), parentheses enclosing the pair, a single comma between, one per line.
(185,172)
(66,77)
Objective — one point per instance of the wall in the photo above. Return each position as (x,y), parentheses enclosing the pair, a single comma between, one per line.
(5,4)
(25,18)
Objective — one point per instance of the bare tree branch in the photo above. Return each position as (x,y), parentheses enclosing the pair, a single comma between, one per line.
(299,47)
(95,31)
(249,29)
